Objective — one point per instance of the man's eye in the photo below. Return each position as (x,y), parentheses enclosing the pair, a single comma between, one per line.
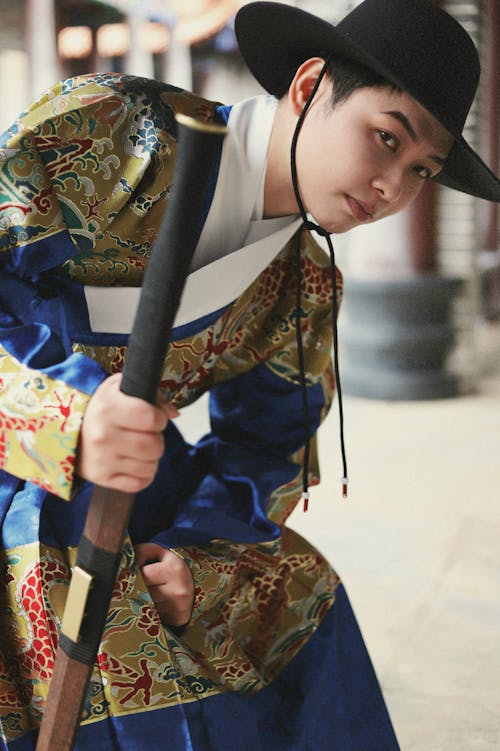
(424,172)
(388,139)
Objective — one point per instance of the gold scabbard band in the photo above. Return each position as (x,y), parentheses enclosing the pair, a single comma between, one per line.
(76,603)
(88,600)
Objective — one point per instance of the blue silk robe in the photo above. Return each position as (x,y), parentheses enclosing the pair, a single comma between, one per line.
(272,658)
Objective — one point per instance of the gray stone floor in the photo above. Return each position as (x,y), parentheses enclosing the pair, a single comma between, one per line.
(417,546)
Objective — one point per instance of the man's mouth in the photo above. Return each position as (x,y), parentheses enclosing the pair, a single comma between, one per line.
(362,212)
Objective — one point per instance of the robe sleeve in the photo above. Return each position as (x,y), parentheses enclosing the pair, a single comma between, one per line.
(69,167)
(238,483)
(235,488)
(41,411)
(252,453)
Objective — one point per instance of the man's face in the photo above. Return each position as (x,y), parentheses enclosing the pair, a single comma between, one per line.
(368,157)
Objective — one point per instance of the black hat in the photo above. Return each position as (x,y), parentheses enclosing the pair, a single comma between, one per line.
(411,43)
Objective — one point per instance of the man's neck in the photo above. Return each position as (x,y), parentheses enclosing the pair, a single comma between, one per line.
(279,199)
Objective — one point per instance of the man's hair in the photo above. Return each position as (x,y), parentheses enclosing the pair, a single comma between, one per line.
(348,76)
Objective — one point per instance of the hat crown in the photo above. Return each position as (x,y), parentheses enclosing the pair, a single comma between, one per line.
(423,50)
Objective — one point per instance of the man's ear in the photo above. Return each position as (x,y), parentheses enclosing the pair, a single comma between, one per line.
(303,82)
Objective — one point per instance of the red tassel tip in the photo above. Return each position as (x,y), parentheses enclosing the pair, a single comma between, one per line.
(344,487)
(305,497)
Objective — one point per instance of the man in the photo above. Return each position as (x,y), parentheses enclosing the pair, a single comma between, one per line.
(358,118)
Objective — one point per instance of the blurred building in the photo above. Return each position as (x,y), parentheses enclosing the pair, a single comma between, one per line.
(447,239)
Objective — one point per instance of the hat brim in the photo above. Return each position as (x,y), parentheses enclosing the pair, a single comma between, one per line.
(275,39)
(464,170)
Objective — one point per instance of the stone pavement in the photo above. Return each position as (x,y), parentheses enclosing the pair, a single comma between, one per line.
(417,545)
(418,548)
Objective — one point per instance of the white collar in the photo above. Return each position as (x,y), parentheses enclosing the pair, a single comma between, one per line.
(235,216)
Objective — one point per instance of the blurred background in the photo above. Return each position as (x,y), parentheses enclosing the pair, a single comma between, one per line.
(417,543)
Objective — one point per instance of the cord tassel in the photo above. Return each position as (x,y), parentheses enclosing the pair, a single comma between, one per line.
(305,498)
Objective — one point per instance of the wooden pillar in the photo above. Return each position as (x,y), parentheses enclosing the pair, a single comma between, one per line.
(177,63)
(138,61)
(422,227)
(423,230)
(41,43)
(492,108)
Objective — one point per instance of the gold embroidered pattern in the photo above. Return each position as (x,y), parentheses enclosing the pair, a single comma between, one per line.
(39,426)
(272,595)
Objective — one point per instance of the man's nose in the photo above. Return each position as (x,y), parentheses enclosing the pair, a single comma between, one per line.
(389,184)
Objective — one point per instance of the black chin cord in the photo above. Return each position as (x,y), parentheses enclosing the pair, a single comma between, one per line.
(309,225)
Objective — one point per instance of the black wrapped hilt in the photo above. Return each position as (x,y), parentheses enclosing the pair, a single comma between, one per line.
(199,145)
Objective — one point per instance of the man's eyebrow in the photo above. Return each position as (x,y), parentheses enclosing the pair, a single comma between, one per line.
(402,118)
(404,122)
(438,159)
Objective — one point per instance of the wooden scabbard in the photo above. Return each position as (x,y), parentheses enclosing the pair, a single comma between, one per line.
(58,729)
(106,524)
